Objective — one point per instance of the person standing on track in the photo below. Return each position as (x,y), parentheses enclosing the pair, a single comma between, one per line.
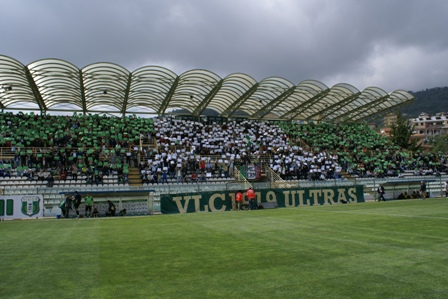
(88,205)
(239,199)
(423,190)
(251,197)
(62,207)
(381,193)
(77,203)
(111,211)
(68,205)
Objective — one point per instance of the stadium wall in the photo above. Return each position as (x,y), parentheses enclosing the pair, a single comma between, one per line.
(21,207)
(225,201)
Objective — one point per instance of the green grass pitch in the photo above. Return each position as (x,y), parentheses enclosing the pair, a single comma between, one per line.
(396,249)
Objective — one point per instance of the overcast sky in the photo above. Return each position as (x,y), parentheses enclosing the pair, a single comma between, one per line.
(391,44)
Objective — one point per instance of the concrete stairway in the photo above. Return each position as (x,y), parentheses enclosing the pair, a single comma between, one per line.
(134,177)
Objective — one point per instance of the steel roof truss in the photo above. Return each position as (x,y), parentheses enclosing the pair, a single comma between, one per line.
(240,101)
(274,103)
(126,95)
(364,108)
(201,107)
(36,93)
(169,96)
(336,105)
(302,107)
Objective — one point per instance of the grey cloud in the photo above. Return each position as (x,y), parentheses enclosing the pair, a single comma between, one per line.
(356,42)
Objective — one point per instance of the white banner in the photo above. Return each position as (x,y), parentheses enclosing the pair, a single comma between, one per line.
(251,173)
(21,206)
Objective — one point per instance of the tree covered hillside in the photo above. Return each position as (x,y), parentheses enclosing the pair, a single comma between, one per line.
(430,101)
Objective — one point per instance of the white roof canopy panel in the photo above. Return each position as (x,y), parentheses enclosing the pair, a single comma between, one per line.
(50,84)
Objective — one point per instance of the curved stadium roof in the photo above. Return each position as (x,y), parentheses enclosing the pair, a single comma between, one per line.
(58,85)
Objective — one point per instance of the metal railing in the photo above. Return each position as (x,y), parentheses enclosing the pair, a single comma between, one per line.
(435,185)
(241,179)
(275,179)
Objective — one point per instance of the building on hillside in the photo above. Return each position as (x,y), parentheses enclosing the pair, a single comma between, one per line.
(431,125)
(420,135)
(390,119)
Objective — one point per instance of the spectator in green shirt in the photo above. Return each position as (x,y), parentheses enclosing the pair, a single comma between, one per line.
(89,204)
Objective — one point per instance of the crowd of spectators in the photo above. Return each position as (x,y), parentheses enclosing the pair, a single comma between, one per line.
(91,131)
(48,147)
(363,152)
(186,149)
(65,147)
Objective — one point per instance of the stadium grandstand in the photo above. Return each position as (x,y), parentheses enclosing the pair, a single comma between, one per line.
(107,130)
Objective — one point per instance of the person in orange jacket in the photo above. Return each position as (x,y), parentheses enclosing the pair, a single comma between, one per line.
(239,199)
(251,197)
